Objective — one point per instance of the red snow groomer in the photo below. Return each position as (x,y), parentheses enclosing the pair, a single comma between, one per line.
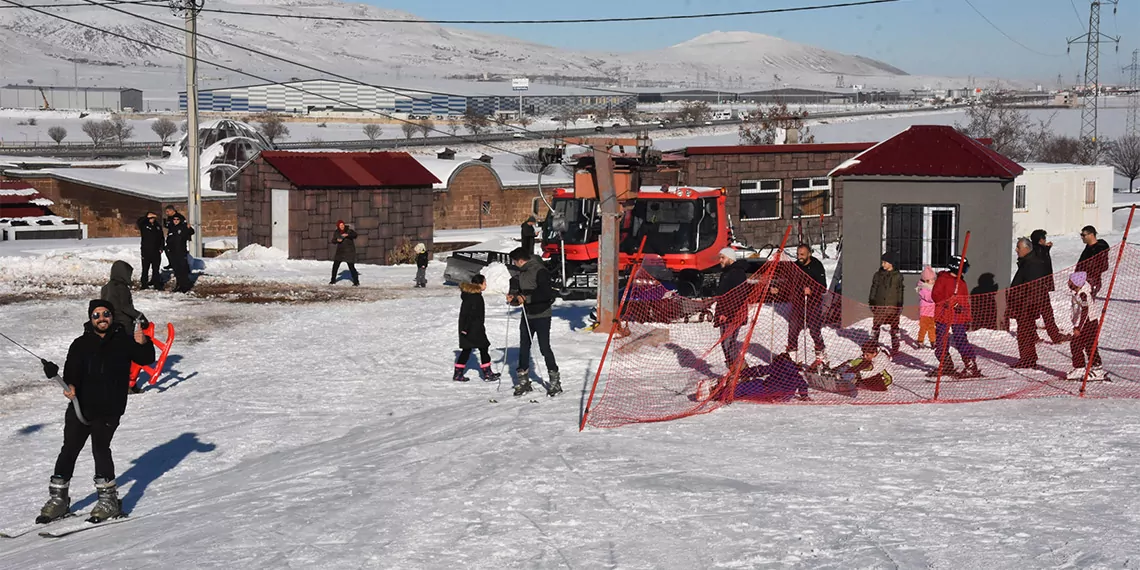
(570,243)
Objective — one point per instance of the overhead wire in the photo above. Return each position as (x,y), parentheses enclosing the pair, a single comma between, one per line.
(157,3)
(1007,36)
(705,15)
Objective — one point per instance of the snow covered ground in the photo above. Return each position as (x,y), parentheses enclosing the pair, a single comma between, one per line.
(327,434)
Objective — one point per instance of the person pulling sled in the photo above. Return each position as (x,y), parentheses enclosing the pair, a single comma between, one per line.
(473,331)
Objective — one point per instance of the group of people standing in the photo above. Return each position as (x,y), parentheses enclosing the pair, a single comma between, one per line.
(175,244)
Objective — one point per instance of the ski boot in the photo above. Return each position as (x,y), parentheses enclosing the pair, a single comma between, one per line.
(108,506)
(487,374)
(1077,374)
(1097,374)
(459,371)
(554,387)
(969,370)
(820,363)
(524,382)
(947,368)
(59,505)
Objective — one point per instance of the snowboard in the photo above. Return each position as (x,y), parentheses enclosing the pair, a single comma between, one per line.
(829,381)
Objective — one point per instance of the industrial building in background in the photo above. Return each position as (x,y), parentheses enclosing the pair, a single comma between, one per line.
(441,98)
(120,99)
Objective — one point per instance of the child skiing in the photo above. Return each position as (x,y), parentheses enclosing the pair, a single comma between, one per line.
(1085,325)
(925,289)
(421,265)
(472,331)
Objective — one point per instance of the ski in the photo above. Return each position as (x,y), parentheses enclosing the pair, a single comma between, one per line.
(82,525)
(18,531)
(531,401)
(830,382)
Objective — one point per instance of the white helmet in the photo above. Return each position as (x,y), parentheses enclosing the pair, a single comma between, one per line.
(420,248)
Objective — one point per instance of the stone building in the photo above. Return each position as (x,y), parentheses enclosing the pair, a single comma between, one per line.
(292,200)
(478,194)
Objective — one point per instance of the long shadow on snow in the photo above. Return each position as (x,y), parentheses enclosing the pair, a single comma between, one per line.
(28,430)
(152,465)
(576,315)
(173,376)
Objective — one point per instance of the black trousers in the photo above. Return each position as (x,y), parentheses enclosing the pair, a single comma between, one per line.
(1082,343)
(351,270)
(796,325)
(541,328)
(151,265)
(75,435)
(181,266)
(730,345)
(465,355)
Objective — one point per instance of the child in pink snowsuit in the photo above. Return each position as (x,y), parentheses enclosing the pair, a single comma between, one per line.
(926,306)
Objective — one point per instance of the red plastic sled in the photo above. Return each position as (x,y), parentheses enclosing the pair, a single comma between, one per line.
(155,368)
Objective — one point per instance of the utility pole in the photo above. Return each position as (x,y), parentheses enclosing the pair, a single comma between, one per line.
(1093,38)
(1133,126)
(189,10)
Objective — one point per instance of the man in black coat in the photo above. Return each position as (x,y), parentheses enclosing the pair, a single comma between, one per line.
(1026,296)
(153,242)
(98,375)
(1094,258)
(533,290)
(807,310)
(528,234)
(177,251)
(167,223)
(345,239)
(731,304)
(1043,250)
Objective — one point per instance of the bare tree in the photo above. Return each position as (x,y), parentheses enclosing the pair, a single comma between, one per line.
(409,129)
(95,130)
(184,127)
(474,122)
(372,131)
(57,134)
(1064,150)
(629,115)
(529,162)
(164,128)
(524,121)
(1123,154)
(453,128)
(694,112)
(120,131)
(272,127)
(1013,133)
(763,124)
(425,126)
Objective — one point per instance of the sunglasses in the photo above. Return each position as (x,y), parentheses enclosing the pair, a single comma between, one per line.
(100,314)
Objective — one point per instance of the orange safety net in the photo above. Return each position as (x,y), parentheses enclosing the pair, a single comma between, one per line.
(675,357)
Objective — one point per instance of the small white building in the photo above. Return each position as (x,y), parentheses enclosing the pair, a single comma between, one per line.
(1062,198)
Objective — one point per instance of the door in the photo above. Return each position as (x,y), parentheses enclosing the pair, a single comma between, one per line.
(280,218)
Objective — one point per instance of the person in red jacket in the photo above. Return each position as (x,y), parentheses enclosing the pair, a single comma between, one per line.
(952,317)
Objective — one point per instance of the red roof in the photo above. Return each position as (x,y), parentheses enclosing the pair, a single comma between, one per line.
(23,211)
(931,150)
(780,148)
(349,169)
(14,185)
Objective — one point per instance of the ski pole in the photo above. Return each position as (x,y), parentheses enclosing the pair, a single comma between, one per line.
(530,333)
(62,384)
(506,345)
(803,329)
(23,347)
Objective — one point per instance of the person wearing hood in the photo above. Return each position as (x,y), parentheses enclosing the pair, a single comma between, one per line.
(1094,258)
(886,300)
(97,373)
(1086,323)
(345,239)
(421,265)
(473,330)
(153,242)
(532,290)
(117,292)
(1043,250)
(925,289)
(528,234)
(951,321)
(178,252)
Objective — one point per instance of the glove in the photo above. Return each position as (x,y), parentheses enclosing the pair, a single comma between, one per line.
(50,368)
(143,322)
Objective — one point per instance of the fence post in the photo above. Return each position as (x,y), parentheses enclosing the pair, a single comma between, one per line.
(1107,298)
(945,348)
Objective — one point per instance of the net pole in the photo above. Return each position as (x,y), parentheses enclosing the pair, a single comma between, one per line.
(737,366)
(950,327)
(1107,298)
(609,339)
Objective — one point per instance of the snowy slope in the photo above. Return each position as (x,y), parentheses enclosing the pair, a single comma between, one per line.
(43,48)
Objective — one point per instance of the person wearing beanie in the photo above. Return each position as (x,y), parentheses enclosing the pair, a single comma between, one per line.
(886,299)
(730,304)
(925,290)
(1085,316)
(808,283)
(528,234)
(421,265)
(345,239)
(98,375)
(473,330)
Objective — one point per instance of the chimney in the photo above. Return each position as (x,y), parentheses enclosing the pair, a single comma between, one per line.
(792,136)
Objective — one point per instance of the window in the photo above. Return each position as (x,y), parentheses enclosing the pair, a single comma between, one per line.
(486,208)
(1019,197)
(760,200)
(811,197)
(1090,192)
(920,235)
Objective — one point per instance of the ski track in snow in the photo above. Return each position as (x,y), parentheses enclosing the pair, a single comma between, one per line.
(328,435)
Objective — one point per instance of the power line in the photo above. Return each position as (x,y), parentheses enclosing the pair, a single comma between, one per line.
(564,21)
(246,73)
(1007,36)
(155,3)
(1077,13)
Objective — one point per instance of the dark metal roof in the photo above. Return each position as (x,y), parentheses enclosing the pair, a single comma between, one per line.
(350,169)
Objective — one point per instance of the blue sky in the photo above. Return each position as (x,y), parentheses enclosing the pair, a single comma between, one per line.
(936,37)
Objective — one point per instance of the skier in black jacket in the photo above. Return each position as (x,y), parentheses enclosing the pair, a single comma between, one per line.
(532,290)
(345,239)
(177,251)
(97,373)
(153,242)
(1094,258)
(473,331)
(730,303)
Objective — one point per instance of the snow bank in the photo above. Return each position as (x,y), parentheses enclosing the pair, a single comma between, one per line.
(254,252)
(498,278)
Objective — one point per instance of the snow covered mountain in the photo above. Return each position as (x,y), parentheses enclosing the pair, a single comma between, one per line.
(42,48)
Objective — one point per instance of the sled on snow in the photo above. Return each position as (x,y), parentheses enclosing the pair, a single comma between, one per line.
(155,368)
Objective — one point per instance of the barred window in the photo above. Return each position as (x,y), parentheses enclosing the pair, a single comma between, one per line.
(1019,197)
(920,235)
(761,200)
(811,197)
